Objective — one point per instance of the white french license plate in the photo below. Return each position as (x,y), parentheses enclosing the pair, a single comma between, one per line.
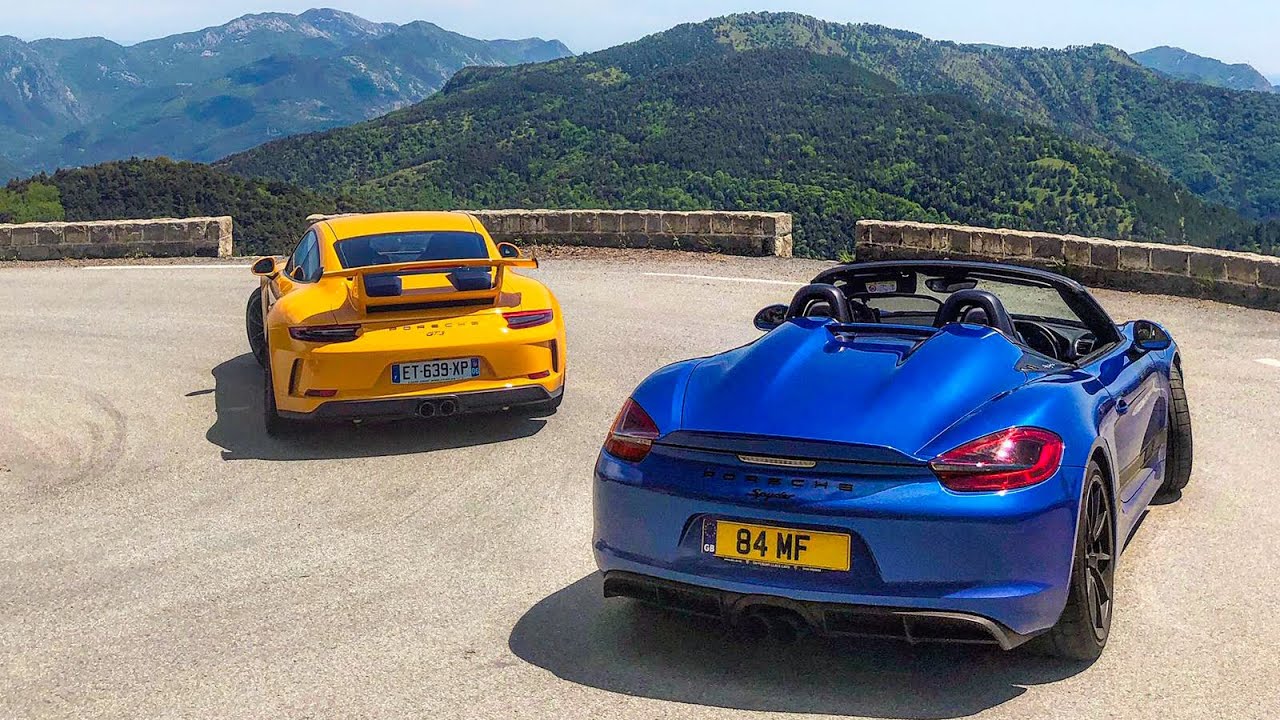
(435,371)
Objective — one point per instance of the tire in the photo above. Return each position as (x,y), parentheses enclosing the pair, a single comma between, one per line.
(255,327)
(1178,465)
(275,425)
(1085,624)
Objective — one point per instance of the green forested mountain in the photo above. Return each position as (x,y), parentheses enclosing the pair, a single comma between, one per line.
(1223,144)
(269,215)
(1178,63)
(205,94)
(698,117)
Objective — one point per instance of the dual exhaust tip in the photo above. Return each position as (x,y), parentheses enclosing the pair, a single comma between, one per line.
(438,408)
(772,624)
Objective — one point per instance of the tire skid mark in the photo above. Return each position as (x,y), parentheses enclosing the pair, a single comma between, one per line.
(56,433)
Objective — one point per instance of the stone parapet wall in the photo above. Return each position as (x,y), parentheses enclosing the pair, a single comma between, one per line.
(1239,278)
(190,237)
(735,233)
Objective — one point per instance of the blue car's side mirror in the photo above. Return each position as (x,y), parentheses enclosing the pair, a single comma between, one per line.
(771,317)
(1150,337)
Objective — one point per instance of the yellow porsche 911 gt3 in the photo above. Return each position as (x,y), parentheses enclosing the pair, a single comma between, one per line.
(400,315)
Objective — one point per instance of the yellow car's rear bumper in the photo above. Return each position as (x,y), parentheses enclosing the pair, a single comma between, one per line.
(354,379)
(433,405)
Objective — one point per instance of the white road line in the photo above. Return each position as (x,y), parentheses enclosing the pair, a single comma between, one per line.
(166,267)
(726,279)
(1269,361)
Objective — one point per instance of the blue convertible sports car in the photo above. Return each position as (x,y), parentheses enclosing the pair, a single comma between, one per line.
(923,450)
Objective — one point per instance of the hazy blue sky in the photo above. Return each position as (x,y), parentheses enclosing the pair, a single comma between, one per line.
(1232,30)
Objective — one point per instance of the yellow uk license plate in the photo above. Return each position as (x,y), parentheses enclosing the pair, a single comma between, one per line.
(782,546)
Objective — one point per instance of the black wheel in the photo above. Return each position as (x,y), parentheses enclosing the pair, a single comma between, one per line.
(1178,465)
(1082,631)
(275,425)
(255,328)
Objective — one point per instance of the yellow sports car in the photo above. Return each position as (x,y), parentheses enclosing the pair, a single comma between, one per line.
(399,315)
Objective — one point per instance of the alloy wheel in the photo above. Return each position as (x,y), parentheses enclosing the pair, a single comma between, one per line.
(1099,560)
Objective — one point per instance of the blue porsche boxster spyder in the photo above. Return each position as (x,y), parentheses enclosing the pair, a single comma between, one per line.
(922,450)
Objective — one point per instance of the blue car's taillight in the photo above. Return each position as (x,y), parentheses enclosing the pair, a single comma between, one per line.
(1006,460)
(632,434)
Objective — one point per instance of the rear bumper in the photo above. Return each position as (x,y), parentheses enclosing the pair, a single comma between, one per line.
(403,408)
(913,545)
(830,619)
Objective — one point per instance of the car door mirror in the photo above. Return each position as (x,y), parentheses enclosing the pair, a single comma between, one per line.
(771,317)
(508,251)
(265,267)
(1150,337)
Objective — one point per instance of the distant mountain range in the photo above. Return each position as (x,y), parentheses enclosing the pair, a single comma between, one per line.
(1184,65)
(766,111)
(827,121)
(205,94)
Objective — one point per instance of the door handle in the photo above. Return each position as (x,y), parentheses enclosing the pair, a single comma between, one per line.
(1122,407)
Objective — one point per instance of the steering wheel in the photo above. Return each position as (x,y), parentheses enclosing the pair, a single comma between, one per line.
(1039,338)
(962,306)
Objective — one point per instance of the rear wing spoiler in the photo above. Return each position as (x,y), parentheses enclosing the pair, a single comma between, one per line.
(430,265)
(379,286)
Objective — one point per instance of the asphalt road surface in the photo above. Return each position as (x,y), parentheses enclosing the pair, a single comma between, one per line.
(160,557)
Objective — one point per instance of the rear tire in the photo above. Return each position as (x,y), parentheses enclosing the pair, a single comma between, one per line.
(1085,624)
(1178,463)
(275,425)
(256,328)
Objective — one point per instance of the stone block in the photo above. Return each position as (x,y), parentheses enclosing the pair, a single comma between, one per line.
(586,221)
(75,234)
(1104,255)
(36,252)
(780,245)
(48,234)
(885,236)
(557,222)
(1269,273)
(133,233)
(1208,265)
(917,238)
(748,225)
(102,233)
(632,222)
(1017,245)
(699,223)
(960,241)
(721,224)
(1175,261)
(1048,247)
(608,221)
(783,224)
(988,243)
(1242,269)
(23,235)
(674,223)
(1134,258)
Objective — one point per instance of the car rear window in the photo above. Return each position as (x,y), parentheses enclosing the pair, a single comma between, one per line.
(392,248)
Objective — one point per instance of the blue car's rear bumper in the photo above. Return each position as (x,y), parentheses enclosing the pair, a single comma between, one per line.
(915,546)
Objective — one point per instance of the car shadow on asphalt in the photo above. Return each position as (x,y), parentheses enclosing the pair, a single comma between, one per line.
(239,429)
(626,647)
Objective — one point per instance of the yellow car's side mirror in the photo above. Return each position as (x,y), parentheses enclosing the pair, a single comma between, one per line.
(265,267)
(508,251)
